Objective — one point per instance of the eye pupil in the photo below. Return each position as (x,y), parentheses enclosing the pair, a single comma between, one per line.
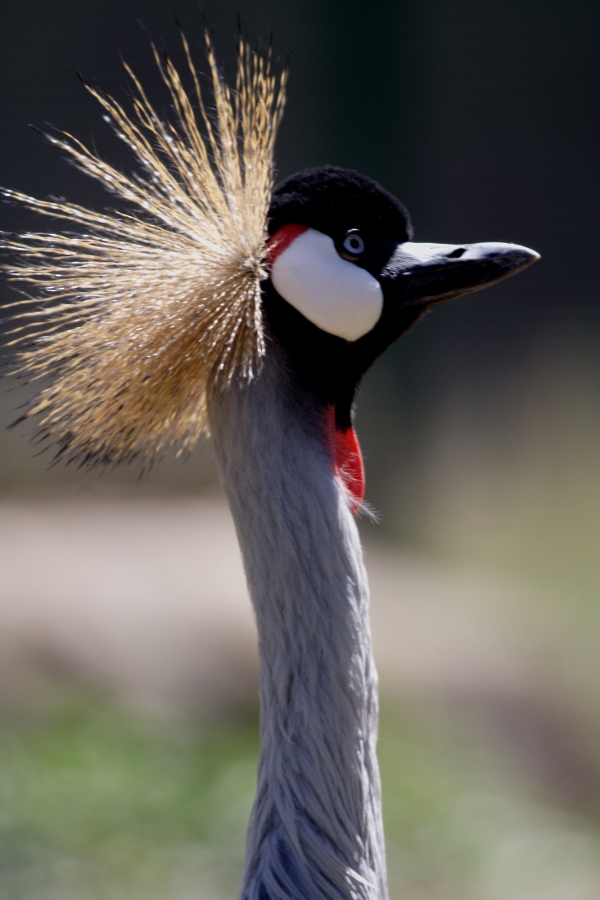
(354,244)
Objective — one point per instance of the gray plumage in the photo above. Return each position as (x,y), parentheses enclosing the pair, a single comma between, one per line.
(316,829)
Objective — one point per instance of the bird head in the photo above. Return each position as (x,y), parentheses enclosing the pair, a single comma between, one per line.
(139,317)
(346,279)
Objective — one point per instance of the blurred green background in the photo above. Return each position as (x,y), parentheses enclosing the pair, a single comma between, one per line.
(127,715)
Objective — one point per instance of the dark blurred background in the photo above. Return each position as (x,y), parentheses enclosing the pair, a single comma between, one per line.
(480,117)
(481,432)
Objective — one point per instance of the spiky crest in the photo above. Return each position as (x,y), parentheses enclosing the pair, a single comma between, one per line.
(138,315)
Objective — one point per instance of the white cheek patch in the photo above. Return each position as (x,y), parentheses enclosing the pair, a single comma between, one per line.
(329,291)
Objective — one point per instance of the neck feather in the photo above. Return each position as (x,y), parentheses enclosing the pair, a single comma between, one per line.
(315,831)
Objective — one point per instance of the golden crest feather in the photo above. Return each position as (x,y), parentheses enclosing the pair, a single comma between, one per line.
(141,313)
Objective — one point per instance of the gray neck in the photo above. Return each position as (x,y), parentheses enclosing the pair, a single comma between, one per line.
(315,831)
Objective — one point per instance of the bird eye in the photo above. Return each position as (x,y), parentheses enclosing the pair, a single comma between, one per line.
(353,244)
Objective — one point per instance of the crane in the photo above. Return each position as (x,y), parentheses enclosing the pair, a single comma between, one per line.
(215,303)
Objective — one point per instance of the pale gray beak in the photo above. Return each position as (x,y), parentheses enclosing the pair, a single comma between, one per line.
(433,273)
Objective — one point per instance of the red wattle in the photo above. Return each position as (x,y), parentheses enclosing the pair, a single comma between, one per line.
(347,460)
(281,240)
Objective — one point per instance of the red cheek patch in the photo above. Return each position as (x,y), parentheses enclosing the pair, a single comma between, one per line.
(281,240)
(347,460)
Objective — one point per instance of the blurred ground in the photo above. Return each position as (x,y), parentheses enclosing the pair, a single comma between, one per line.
(146,599)
(128,682)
